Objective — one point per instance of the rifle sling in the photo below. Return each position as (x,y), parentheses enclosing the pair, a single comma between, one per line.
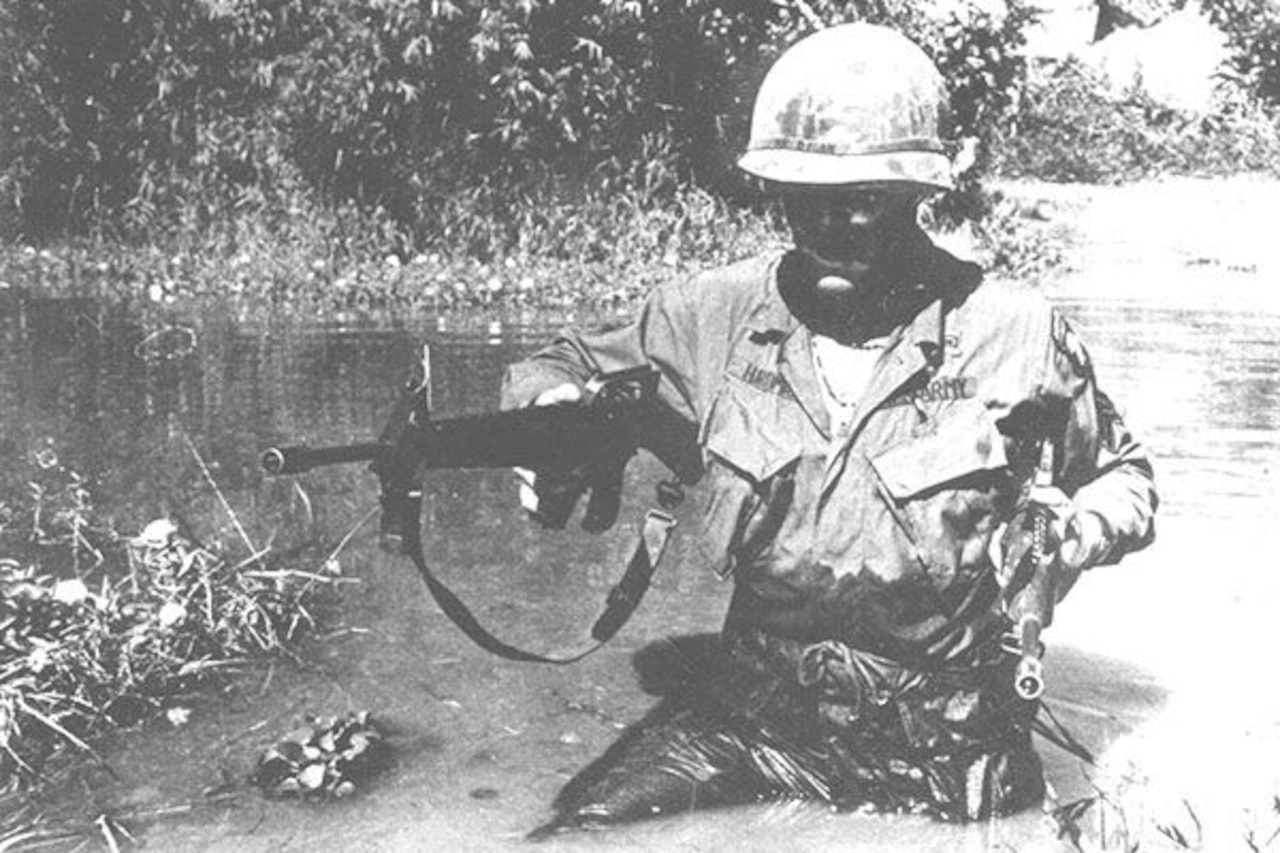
(622,602)
(399,471)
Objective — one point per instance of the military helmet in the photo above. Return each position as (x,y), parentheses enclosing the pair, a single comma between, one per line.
(855,103)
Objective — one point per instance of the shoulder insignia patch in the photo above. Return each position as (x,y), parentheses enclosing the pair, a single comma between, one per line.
(1070,346)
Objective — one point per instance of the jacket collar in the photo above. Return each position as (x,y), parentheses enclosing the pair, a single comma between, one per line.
(918,345)
(915,347)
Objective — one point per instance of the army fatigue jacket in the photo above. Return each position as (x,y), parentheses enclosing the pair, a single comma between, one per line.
(878,536)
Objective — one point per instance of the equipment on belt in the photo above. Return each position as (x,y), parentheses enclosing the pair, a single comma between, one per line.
(577,448)
(856,103)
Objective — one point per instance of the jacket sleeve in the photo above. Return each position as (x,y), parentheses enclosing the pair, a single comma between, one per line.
(664,335)
(1106,471)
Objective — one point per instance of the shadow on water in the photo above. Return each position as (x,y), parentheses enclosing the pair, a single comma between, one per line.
(482,746)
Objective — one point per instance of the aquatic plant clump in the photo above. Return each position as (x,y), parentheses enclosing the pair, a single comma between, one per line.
(326,759)
(166,617)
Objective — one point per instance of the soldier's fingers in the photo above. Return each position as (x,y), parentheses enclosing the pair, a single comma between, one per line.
(527,481)
(528,499)
(1050,497)
(1086,542)
(1015,545)
(1008,546)
(564,393)
(1061,512)
(1015,555)
(995,552)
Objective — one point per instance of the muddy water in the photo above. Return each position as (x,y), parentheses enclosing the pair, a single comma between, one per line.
(1150,660)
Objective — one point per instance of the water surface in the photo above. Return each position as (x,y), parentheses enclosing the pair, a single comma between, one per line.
(136,399)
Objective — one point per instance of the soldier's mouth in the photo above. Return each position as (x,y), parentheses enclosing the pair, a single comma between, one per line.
(842,253)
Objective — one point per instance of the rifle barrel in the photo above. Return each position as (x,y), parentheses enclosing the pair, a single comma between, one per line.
(1028,679)
(279,461)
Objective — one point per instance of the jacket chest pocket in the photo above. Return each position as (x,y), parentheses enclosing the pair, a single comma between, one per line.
(945,488)
(752,440)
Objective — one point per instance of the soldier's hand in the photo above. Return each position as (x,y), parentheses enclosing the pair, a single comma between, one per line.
(1076,540)
(565,393)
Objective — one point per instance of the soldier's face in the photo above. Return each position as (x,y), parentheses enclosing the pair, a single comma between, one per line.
(847,229)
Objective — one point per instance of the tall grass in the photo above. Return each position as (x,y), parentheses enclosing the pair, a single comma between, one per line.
(99,629)
(545,246)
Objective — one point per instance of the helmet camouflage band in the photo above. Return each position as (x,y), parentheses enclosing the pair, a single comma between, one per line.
(857,103)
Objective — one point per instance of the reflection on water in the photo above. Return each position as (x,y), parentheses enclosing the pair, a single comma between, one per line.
(119,393)
(1201,387)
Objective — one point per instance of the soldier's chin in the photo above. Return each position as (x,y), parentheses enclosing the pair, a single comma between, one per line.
(832,299)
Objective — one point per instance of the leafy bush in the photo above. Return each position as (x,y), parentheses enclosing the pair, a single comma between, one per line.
(119,109)
(1067,129)
(1253,37)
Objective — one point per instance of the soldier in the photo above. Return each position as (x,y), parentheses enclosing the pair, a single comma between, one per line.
(868,412)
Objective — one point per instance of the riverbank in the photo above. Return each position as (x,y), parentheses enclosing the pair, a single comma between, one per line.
(1169,235)
(604,258)
(594,253)
(1107,239)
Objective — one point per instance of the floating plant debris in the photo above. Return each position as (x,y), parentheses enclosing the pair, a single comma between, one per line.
(170,343)
(326,759)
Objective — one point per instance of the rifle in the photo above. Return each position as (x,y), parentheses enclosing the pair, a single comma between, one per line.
(1031,606)
(573,448)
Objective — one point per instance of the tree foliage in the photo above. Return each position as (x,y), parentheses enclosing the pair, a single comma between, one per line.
(1253,36)
(136,114)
